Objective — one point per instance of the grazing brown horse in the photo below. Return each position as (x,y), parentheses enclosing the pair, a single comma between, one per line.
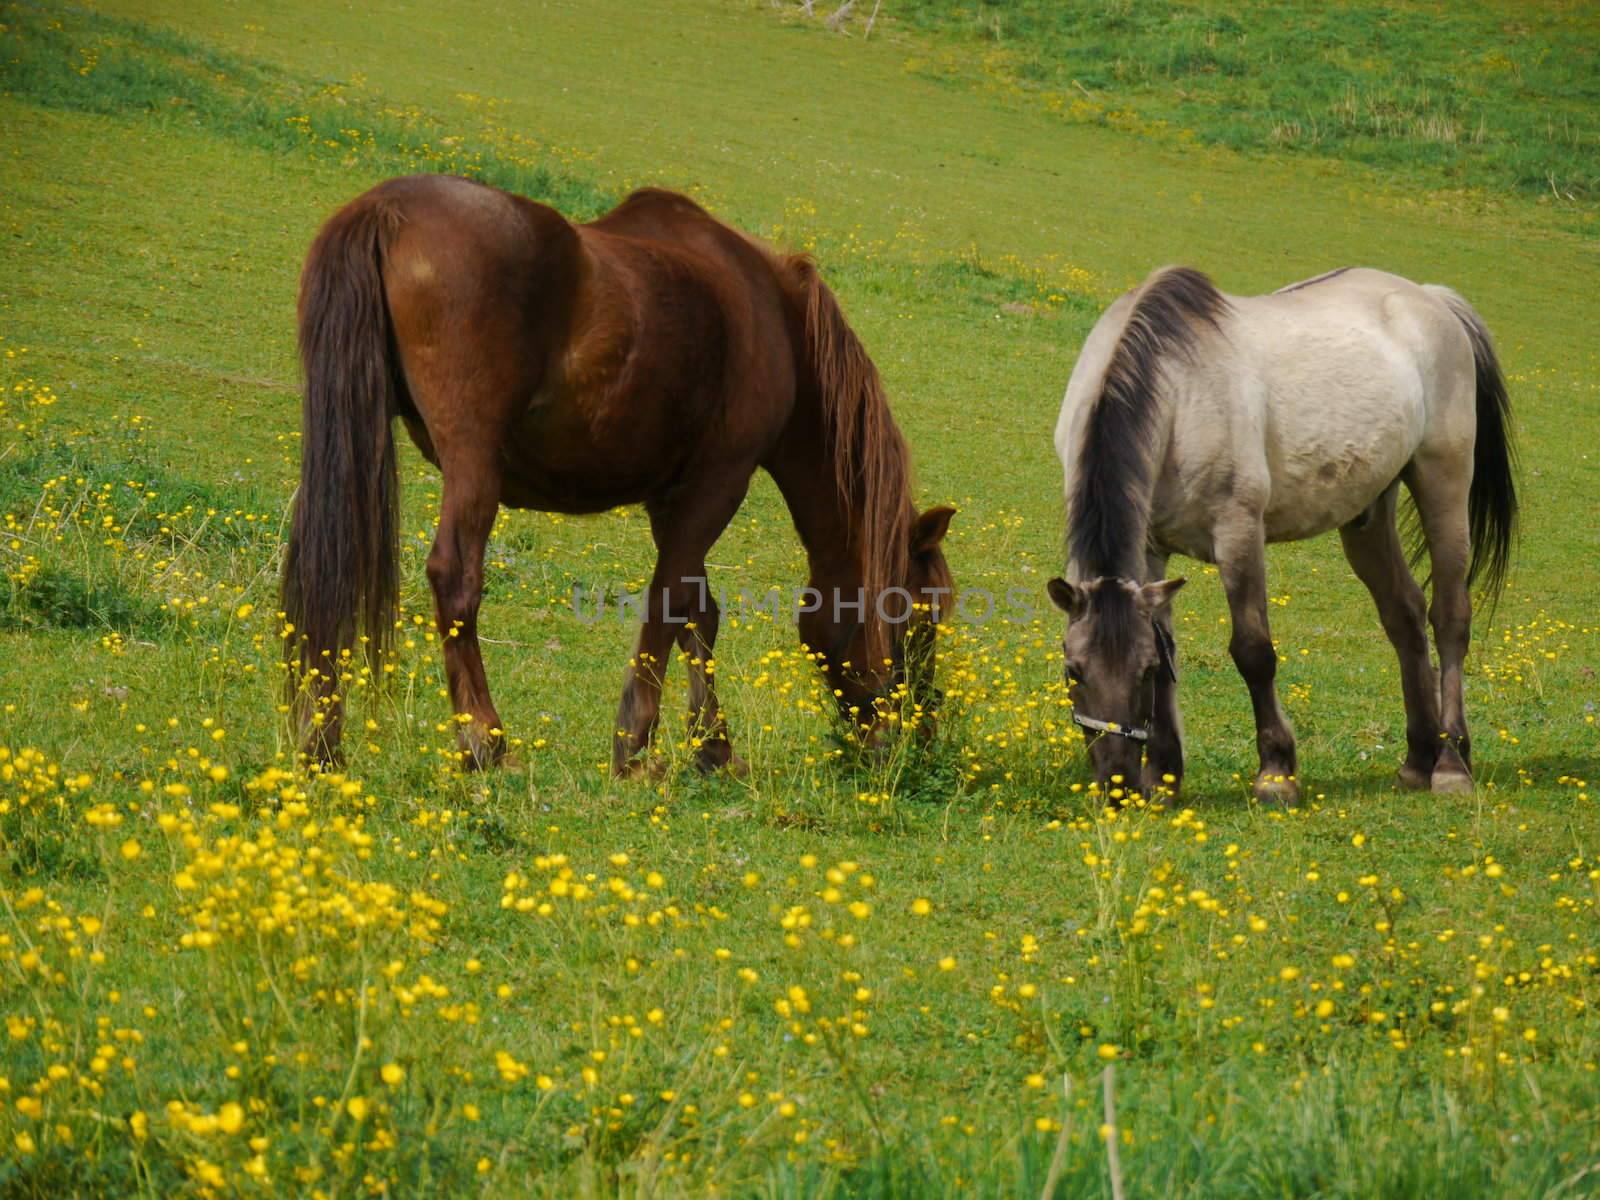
(654,356)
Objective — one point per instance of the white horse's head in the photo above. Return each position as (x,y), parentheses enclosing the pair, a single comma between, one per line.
(1116,649)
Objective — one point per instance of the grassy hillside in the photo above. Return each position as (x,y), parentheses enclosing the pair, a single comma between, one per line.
(1497,97)
(219,975)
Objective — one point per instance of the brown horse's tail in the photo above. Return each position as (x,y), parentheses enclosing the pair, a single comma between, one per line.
(340,576)
(871,465)
(1492,499)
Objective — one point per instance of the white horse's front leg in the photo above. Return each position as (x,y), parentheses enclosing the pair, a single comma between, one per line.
(1242,561)
(1163,760)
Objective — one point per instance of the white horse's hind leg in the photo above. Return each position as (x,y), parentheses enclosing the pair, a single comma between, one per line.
(1440,487)
(1379,561)
(1240,542)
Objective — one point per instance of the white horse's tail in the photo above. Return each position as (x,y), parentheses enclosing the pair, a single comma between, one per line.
(1492,501)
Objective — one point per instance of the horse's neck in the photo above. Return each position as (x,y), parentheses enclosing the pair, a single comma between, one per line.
(1130,561)
(1125,552)
(802,466)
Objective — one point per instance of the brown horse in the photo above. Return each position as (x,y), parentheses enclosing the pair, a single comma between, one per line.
(654,356)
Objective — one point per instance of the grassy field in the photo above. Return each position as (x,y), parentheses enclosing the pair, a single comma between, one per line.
(1489,96)
(219,975)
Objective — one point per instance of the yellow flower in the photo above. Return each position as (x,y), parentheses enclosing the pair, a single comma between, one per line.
(947,963)
(393,1074)
(131,849)
(356,1106)
(920,907)
(230,1118)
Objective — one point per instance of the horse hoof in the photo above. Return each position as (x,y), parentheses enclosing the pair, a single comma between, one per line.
(482,755)
(643,767)
(1415,778)
(1161,786)
(1277,789)
(728,763)
(1451,783)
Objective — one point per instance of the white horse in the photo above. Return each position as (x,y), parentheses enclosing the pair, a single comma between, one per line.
(1204,424)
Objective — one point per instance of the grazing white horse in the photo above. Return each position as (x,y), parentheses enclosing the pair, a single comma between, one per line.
(1208,425)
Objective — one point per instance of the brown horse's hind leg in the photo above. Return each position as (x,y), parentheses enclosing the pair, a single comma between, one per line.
(455,569)
(1242,563)
(679,608)
(1375,554)
(1441,495)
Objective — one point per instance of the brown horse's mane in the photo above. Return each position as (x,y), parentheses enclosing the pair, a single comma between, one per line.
(872,470)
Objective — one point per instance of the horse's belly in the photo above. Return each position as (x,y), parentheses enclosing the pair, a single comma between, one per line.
(1321,485)
(562,459)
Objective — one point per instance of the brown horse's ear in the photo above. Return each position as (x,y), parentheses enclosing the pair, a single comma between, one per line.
(1068,598)
(930,529)
(1156,596)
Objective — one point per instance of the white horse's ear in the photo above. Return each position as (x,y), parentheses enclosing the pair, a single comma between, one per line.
(1156,596)
(1068,598)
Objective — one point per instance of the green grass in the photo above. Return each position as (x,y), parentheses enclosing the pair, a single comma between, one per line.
(147,457)
(1493,96)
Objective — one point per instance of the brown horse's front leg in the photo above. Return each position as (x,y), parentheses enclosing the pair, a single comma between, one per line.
(679,607)
(708,730)
(455,569)
(640,709)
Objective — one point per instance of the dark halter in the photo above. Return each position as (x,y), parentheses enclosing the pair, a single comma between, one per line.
(1167,651)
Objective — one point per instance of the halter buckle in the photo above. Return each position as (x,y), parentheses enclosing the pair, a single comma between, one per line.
(1133,733)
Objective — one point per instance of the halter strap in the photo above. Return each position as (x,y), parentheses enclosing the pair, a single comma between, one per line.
(1135,733)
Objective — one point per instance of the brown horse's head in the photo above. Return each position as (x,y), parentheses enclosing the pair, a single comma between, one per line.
(1115,650)
(876,691)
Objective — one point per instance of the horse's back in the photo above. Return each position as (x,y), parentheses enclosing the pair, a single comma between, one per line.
(707,282)
(470,272)
(1351,374)
(603,357)
(1303,404)
(1356,345)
